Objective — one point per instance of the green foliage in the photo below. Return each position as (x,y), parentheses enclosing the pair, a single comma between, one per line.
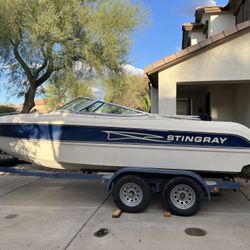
(128,90)
(246,172)
(6,109)
(39,38)
(65,87)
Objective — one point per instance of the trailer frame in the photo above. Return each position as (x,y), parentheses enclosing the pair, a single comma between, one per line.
(156,179)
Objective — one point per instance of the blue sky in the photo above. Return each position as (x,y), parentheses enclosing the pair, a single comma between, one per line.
(160,38)
(163,37)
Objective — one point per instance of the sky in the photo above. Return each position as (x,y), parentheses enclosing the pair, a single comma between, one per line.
(163,36)
(160,38)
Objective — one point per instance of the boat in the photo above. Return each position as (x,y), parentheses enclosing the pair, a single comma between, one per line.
(94,135)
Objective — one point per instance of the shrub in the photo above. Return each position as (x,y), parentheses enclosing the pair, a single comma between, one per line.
(6,109)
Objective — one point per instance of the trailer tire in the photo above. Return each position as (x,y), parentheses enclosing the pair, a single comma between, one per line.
(131,193)
(182,196)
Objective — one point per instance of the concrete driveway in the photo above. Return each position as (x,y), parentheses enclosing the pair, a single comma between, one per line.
(41,213)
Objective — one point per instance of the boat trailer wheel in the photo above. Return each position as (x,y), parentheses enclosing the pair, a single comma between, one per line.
(182,196)
(131,193)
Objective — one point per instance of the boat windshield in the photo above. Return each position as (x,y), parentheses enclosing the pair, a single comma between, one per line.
(87,105)
(75,105)
(109,108)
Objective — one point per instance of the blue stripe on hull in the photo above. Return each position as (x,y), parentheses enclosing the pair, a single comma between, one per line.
(99,134)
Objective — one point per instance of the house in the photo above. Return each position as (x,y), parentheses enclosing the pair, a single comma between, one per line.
(211,74)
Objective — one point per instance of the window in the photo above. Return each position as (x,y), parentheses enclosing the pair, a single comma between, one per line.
(93,107)
(87,105)
(113,109)
(75,105)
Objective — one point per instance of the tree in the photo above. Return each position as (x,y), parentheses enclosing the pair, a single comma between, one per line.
(65,87)
(128,90)
(39,38)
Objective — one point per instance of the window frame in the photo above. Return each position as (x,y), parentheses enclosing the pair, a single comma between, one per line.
(137,112)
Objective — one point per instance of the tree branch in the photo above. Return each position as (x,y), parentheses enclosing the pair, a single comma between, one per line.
(43,66)
(24,66)
(40,69)
(50,61)
(44,77)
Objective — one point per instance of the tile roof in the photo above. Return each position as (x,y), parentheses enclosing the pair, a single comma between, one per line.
(192,26)
(190,51)
(210,10)
(40,102)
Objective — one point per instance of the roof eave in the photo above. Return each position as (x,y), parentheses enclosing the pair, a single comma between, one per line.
(191,51)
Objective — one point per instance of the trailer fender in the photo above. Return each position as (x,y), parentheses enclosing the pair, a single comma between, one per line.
(162,172)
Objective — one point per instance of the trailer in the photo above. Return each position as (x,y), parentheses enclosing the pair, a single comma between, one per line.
(183,192)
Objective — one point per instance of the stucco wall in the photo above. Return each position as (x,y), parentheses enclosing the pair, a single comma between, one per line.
(218,23)
(243,103)
(223,102)
(154,99)
(226,62)
(197,36)
(204,18)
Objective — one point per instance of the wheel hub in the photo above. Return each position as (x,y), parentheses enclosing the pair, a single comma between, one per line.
(131,194)
(182,196)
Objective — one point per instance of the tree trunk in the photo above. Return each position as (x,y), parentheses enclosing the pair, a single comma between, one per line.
(29,102)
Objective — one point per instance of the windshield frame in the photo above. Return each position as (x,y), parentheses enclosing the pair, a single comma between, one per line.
(93,101)
(84,105)
(136,112)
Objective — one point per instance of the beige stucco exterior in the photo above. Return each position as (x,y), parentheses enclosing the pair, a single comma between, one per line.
(218,23)
(243,104)
(225,69)
(197,36)
(154,100)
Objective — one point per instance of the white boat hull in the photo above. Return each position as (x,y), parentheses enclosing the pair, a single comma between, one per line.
(109,157)
(81,141)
